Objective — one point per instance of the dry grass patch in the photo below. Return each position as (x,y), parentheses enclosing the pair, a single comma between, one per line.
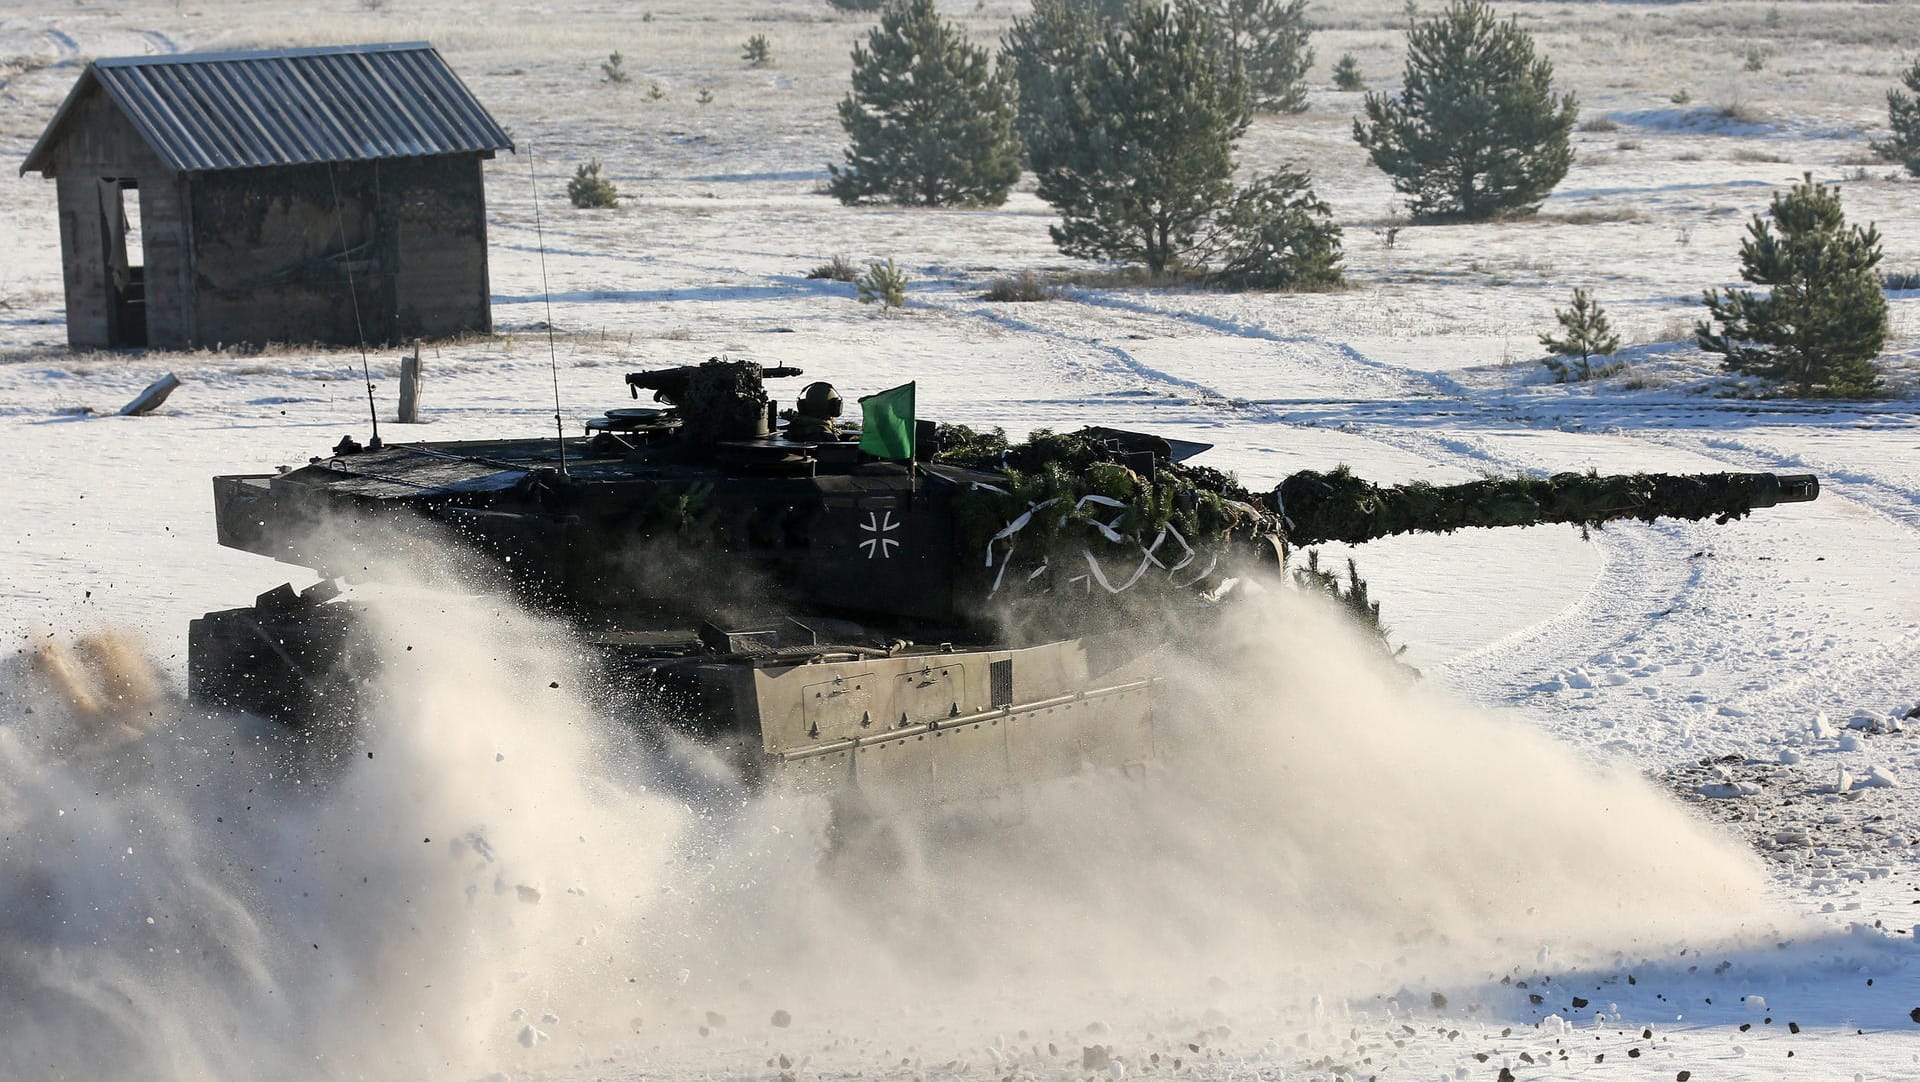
(1595,215)
(1024,287)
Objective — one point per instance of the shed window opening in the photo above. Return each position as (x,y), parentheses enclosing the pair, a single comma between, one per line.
(131,239)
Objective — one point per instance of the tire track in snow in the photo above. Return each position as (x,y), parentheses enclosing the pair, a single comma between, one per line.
(63,44)
(1120,359)
(159,43)
(1357,363)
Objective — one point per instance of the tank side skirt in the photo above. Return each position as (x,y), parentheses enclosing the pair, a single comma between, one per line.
(855,743)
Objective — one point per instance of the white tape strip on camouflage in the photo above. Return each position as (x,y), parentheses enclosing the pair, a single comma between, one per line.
(1107,529)
(1148,553)
(1014,527)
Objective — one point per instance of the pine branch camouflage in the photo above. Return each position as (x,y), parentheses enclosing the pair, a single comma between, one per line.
(1477,131)
(1823,318)
(1337,506)
(930,121)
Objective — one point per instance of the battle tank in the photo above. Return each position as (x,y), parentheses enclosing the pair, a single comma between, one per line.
(902,607)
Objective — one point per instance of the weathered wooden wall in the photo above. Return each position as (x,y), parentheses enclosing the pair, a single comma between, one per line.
(439,218)
(277,247)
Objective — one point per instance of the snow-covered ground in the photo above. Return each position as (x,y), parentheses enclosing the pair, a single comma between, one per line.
(1773,659)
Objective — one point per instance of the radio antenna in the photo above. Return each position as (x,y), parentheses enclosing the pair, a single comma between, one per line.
(360,332)
(553,358)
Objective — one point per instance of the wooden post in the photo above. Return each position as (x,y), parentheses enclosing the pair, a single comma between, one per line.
(410,387)
(150,399)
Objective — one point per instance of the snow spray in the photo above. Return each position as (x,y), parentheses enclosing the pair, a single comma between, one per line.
(497,877)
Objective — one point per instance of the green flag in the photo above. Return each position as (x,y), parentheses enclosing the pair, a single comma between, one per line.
(886,423)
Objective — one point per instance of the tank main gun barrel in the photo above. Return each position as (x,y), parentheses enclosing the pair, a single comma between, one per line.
(1337,506)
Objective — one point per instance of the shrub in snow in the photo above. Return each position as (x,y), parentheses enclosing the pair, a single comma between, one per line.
(613,69)
(1585,333)
(1275,233)
(1025,287)
(1267,40)
(838,269)
(1477,132)
(883,284)
(1823,317)
(1903,116)
(758,52)
(1346,74)
(589,190)
(930,121)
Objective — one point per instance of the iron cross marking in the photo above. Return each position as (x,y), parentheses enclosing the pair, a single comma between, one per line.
(879,545)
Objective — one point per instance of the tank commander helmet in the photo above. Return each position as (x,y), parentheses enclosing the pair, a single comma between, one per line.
(819,400)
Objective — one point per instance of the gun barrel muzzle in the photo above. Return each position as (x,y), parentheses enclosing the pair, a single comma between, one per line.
(1795,488)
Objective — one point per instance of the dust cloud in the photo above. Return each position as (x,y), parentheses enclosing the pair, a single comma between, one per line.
(495,876)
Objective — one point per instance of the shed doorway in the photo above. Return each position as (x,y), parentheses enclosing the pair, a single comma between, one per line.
(126,281)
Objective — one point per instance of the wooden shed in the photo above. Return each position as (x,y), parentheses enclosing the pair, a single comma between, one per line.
(295,195)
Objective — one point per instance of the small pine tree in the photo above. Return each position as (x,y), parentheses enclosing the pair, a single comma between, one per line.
(1149,160)
(588,190)
(612,69)
(1276,233)
(1587,334)
(1268,40)
(1477,131)
(931,123)
(1823,318)
(1903,116)
(883,284)
(758,52)
(1346,73)
(1353,596)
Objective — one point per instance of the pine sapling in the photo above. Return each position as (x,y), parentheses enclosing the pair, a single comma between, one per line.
(612,69)
(883,284)
(589,190)
(1585,334)
(758,52)
(1346,73)
(1822,319)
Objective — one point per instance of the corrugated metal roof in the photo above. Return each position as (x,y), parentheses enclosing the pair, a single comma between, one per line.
(245,110)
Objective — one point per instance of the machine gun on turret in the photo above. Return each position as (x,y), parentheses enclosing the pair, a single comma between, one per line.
(719,400)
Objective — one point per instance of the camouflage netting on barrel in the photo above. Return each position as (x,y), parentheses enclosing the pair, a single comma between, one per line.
(1338,506)
(1070,507)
